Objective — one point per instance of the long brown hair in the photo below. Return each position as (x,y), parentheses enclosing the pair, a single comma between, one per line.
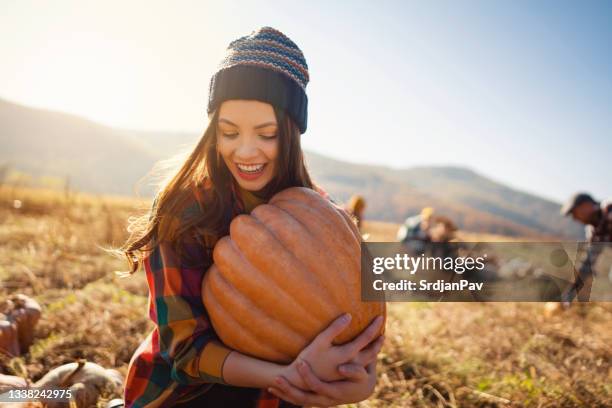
(204,169)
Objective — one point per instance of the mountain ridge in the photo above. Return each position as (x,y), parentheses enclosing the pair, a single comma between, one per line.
(102,159)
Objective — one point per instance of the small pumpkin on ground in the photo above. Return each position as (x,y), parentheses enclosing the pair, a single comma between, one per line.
(284,273)
(86,380)
(9,340)
(24,312)
(9,382)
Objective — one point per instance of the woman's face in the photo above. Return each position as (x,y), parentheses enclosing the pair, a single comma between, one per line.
(247,139)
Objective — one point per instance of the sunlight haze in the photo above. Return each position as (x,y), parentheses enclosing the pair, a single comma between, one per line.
(518,91)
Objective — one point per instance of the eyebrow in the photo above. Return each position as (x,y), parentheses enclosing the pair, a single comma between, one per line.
(263,125)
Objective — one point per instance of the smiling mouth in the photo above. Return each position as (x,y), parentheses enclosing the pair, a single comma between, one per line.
(250,168)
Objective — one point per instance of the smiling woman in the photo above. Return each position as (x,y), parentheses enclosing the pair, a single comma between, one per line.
(249,152)
(248,142)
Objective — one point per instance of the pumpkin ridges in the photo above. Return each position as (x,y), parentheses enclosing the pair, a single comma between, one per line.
(353,283)
(269,241)
(328,233)
(328,217)
(350,283)
(233,266)
(287,340)
(250,230)
(232,333)
(375,308)
(313,199)
(285,227)
(350,222)
(307,212)
(249,233)
(343,256)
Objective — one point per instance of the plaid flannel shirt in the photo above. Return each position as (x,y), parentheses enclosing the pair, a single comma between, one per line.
(182,357)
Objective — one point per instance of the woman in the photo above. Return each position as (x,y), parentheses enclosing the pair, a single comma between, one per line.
(250,150)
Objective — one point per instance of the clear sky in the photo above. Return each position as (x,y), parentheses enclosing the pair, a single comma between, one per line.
(520,91)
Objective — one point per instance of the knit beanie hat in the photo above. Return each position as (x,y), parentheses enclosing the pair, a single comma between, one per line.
(266,66)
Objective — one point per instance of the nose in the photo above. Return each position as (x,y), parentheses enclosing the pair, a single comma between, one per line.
(247,150)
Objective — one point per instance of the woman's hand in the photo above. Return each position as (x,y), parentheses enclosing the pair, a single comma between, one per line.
(366,355)
(327,360)
(358,386)
(324,358)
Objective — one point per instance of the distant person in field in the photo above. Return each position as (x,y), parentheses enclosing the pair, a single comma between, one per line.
(356,207)
(597,218)
(414,232)
(249,151)
(441,229)
(430,234)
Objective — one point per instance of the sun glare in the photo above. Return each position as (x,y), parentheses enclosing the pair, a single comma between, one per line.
(86,74)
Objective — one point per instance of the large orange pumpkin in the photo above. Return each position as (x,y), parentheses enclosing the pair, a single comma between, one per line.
(284,274)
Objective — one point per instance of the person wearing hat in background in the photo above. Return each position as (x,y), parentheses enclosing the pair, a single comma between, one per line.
(597,218)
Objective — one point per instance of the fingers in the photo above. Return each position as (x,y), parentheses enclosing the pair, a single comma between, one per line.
(371,368)
(368,354)
(353,372)
(334,329)
(283,395)
(284,390)
(366,336)
(313,383)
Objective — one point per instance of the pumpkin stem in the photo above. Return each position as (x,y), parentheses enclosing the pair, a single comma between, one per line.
(80,364)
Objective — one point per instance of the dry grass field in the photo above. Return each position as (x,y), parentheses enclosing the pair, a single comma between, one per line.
(436,354)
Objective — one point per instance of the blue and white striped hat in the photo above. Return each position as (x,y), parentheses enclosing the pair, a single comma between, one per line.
(267,66)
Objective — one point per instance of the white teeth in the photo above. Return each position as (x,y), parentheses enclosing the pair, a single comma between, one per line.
(250,168)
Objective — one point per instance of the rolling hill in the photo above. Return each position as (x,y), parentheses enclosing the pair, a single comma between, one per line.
(101,159)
